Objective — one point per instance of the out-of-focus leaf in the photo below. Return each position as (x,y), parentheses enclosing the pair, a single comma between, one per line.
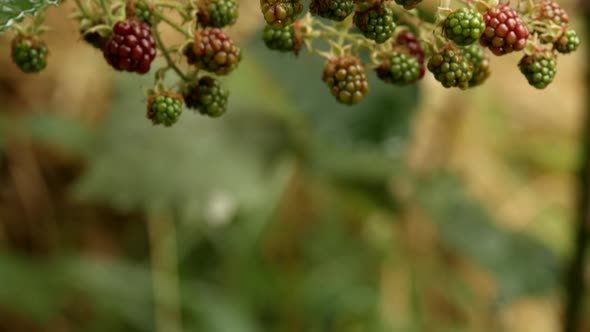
(521,264)
(51,128)
(12,11)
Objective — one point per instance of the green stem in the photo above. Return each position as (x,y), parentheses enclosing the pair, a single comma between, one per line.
(166,54)
(82,8)
(171,23)
(107,12)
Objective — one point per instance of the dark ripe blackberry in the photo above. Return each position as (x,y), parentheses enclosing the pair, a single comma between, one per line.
(206,96)
(408,39)
(347,79)
(217,13)
(450,68)
(29,53)
(464,26)
(281,39)
(335,10)
(408,4)
(550,12)
(505,32)
(131,47)
(214,52)
(480,62)
(280,13)
(568,42)
(398,68)
(376,23)
(164,108)
(539,68)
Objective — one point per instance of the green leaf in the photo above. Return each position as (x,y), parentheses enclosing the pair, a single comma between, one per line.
(12,11)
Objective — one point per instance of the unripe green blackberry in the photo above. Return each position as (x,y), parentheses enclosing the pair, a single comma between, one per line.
(399,68)
(464,26)
(480,62)
(206,96)
(281,39)
(450,68)
(217,13)
(213,51)
(164,108)
(539,68)
(376,23)
(141,11)
(568,42)
(29,53)
(280,13)
(408,4)
(336,10)
(346,78)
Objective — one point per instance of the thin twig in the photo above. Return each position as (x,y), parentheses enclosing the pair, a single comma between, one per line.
(166,54)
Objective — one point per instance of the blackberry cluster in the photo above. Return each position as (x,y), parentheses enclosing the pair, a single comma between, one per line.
(164,108)
(336,10)
(206,96)
(346,78)
(217,13)
(408,4)
(280,13)
(408,40)
(213,51)
(480,63)
(131,47)
(376,23)
(505,32)
(399,68)
(281,39)
(450,68)
(29,53)
(464,26)
(568,42)
(539,68)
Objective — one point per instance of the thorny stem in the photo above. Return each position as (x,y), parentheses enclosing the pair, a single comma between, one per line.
(166,54)
(107,12)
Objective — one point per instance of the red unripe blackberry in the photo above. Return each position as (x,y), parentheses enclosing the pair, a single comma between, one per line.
(214,52)
(408,39)
(539,68)
(347,79)
(550,12)
(131,47)
(505,32)
(280,13)
(450,68)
